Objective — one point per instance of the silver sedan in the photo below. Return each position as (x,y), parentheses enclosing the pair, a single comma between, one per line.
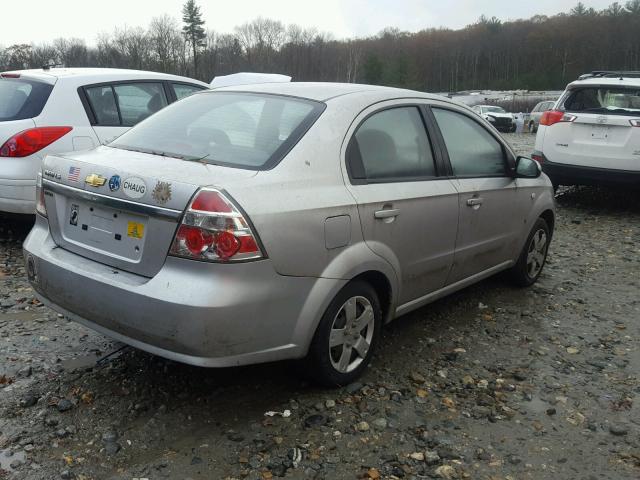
(284,221)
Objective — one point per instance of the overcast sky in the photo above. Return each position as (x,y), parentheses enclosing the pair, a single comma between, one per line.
(35,21)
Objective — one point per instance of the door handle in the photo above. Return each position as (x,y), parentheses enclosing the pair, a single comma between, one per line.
(474,202)
(388,213)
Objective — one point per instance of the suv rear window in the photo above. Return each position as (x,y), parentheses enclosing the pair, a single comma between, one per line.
(604,99)
(21,98)
(243,130)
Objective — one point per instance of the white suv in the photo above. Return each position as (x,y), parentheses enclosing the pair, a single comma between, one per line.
(63,109)
(592,136)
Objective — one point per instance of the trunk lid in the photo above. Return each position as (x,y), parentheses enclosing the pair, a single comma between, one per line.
(595,140)
(122,208)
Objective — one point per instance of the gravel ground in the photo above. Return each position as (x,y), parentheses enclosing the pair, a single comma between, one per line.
(492,383)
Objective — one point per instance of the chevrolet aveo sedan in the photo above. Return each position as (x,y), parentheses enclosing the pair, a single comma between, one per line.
(284,221)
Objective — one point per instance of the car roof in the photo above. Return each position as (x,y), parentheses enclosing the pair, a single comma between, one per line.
(51,75)
(325,91)
(607,81)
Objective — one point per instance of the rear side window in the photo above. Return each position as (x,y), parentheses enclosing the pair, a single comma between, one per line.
(183,90)
(21,98)
(244,130)
(610,100)
(392,145)
(473,151)
(125,104)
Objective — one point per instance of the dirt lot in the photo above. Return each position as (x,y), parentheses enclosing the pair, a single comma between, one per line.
(491,383)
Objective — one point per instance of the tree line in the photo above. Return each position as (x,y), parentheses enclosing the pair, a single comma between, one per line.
(542,52)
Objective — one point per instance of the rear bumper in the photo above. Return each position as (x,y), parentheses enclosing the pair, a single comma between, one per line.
(17,196)
(565,174)
(210,315)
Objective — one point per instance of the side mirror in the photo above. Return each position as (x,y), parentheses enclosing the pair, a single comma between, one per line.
(527,168)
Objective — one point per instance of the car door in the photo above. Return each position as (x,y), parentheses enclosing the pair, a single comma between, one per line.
(490,219)
(407,212)
(114,108)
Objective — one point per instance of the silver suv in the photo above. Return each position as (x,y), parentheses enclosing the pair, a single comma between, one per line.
(269,222)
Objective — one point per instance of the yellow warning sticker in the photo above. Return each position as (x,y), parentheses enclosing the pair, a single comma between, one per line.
(135,230)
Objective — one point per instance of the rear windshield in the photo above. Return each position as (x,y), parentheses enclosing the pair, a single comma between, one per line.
(20,98)
(614,100)
(243,130)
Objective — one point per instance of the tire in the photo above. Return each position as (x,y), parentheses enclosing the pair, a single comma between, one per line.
(533,256)
(342,364)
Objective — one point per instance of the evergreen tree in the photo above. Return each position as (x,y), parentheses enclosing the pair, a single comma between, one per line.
(192,30)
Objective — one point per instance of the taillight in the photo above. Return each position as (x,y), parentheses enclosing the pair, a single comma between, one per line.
(538,157)
(41,208)
(635,123)
(551,117)
(213,229)
(10,75)
(31,141)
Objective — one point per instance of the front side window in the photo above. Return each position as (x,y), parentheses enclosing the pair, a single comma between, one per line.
(21,98)
(241,130)
(608,100)
(473,151)
(393,144)
(137,101)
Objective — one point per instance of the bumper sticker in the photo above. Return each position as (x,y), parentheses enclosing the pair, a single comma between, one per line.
(135,230)
(73,216)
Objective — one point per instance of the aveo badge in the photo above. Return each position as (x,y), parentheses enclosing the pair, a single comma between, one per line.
(134,187)
(114,183)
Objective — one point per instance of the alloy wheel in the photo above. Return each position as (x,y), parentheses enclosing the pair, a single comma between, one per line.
(536,253)
(351,334)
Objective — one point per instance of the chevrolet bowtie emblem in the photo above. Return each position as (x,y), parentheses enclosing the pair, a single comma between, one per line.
(95,180)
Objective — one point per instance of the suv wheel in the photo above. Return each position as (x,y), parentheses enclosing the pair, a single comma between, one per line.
(533,255)
(345,339)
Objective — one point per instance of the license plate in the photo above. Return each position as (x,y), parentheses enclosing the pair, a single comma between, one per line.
(107,230)
(599,132)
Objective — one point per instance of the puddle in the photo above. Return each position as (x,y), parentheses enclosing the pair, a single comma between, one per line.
(80,363)
(7,456)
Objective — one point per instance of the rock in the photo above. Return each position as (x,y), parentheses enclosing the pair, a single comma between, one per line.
(618,429)
(419,456)
(446,471)
(111,448)
(417,377)
(362,427)
(573,350)
(330,403)
(551,411)
(16,463)
(109,436)
(24,372)
(514,460)
(380,423)
(196,460)
(315,421)
(431,457)
(64,405)
(29,400)
(468,381)
(67,475)
(353,388)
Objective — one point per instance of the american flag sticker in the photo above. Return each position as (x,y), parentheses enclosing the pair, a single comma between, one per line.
(74,174)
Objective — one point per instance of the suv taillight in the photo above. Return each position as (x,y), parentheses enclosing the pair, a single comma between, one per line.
(32,140)
(41,208)
(213,229)
(551,117)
